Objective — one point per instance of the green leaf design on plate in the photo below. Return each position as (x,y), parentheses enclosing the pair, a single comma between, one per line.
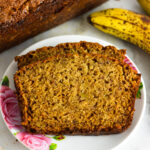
(5,81)
(15,133)
(59,137)
(53,146)
(138,95)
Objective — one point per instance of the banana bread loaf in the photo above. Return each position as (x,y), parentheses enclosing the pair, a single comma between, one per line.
(22,19)
(78,47)
(77,94)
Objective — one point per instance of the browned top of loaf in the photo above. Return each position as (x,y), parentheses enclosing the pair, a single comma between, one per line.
(78,47)
(12,11)
(77,94)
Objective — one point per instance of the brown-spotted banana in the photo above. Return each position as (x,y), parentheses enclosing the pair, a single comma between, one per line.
(125,24)
(146,5)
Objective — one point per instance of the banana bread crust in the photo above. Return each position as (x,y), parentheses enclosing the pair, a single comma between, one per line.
(23,102)
(22,19)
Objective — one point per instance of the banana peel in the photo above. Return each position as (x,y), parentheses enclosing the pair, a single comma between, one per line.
(146,5)
(124,24)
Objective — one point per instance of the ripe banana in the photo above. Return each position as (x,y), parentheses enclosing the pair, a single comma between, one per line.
(125,24)
(146,5)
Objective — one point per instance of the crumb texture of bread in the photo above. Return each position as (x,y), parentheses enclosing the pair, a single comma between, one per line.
(77,47)
(77,94)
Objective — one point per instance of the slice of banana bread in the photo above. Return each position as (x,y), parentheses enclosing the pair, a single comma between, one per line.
(78,47)
(77,94)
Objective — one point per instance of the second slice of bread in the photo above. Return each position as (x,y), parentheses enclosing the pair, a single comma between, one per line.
(64,48)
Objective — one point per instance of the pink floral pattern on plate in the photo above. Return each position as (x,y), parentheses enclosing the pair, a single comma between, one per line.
(126,60)
(11,113)
(35,142)
(10,108)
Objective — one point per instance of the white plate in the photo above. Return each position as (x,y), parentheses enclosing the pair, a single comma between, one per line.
(40,142)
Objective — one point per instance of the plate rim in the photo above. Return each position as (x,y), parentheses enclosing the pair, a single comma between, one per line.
(30,48)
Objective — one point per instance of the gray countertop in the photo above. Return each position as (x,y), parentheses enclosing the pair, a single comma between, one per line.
(140,140)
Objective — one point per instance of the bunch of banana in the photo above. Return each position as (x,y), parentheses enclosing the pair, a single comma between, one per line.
(125,24)
(146,5)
